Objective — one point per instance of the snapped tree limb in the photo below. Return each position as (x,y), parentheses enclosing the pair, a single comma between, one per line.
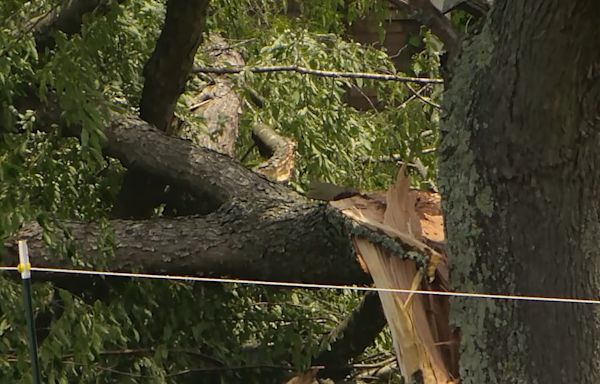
(350,338)
(281,153)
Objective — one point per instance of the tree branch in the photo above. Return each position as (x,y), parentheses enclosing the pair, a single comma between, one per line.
(316,72)
(167,69)
(206,173)
(165,75)
(423,99)
(296,241)
(281,152)
(351,337)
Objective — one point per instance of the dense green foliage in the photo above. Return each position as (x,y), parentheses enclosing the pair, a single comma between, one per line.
(157,332)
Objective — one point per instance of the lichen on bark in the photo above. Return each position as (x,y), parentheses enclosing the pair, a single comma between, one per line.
(519,175)
(467,198)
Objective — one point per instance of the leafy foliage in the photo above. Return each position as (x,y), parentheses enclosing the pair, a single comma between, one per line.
(337,142)
(158,332)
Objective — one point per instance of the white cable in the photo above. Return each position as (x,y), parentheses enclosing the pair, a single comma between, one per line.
(309,285)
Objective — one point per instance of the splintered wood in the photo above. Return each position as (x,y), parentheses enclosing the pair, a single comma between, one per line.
(423,340)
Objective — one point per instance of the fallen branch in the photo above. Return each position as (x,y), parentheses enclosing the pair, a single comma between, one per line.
(321,73)
(249,241)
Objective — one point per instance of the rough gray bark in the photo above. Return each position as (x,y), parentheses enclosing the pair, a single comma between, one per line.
(520,176)
(165,74)
(201,171)
(295,241)
(167,70)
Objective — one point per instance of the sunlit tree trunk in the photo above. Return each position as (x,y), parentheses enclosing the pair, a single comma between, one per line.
(520,174)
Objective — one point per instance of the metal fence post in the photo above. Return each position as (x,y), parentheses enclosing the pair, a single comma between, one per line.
(25,269)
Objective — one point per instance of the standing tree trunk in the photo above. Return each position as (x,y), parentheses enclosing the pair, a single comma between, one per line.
(520,175)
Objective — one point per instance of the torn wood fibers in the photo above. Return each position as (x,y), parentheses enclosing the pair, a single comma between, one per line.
(423,340)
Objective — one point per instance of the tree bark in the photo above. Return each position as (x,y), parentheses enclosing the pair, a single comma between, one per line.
(171,62)
(218,102)
(165,74)
(297,241)
(351,337)
(201,171)
(520,177)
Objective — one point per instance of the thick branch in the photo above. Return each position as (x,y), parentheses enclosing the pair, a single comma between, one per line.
(201,171)
(298,241)
(170,64)
(351,337)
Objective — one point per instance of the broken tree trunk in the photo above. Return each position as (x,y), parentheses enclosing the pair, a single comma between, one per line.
(419,324)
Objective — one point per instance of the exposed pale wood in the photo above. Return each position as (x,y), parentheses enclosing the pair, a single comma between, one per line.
(418,323)
(217,104)
(281,152)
